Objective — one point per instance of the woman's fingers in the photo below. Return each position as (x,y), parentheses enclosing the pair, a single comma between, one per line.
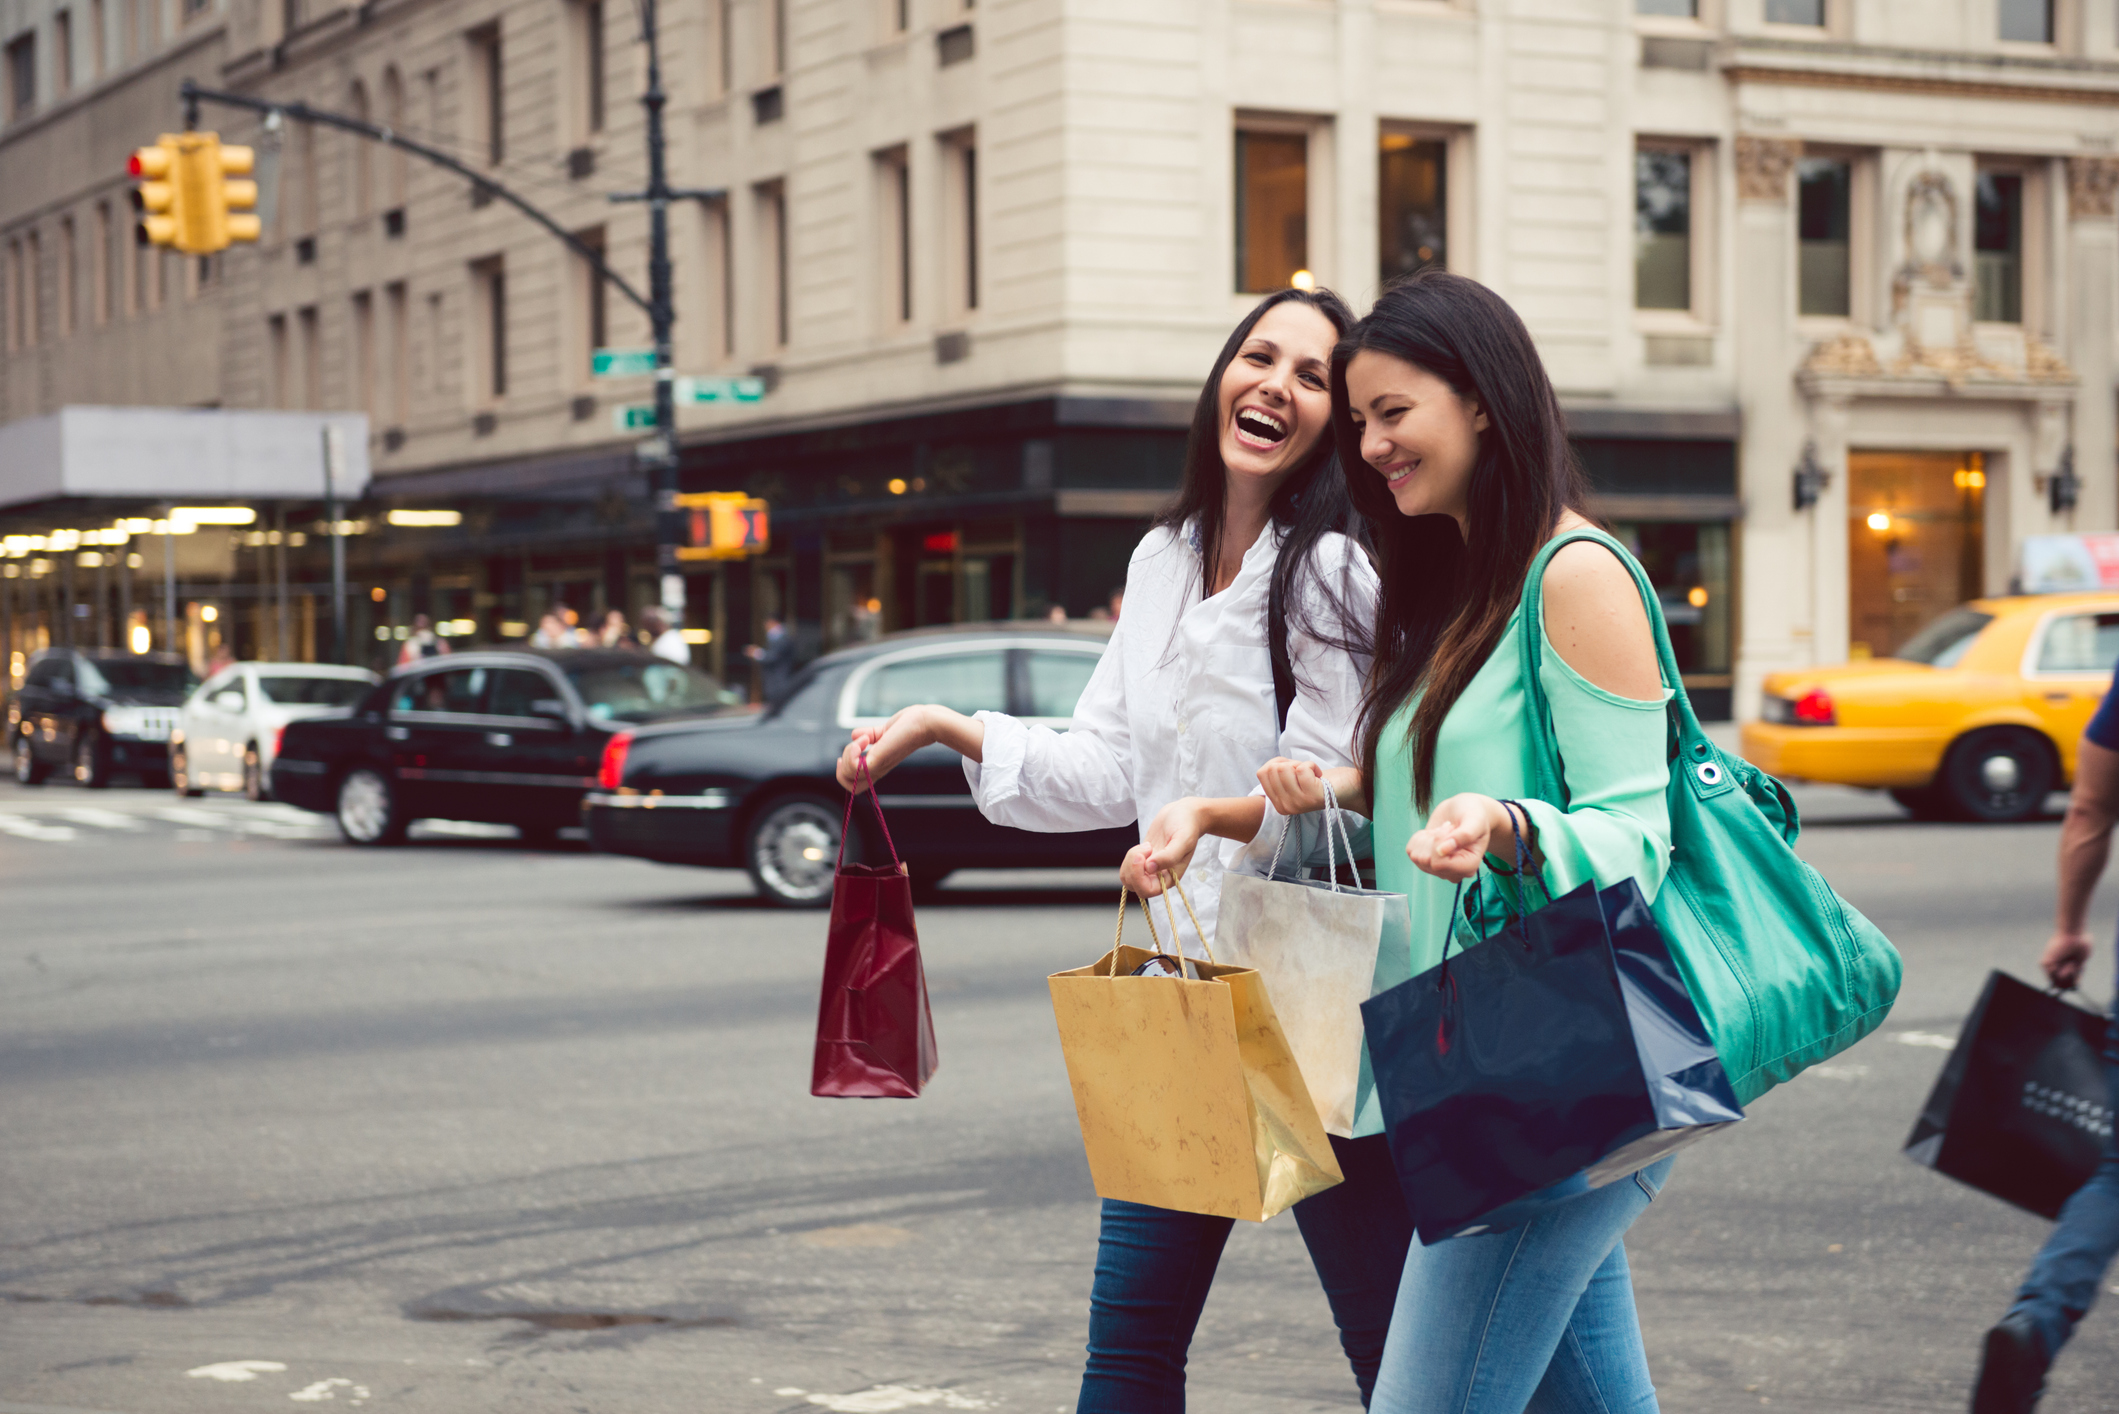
(1139,872)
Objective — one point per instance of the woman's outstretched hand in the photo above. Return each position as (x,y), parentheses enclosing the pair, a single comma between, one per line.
(885,747)
(1166,848)
(1458,834)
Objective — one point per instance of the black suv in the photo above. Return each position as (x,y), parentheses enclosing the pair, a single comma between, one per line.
(98,712)
(504,737)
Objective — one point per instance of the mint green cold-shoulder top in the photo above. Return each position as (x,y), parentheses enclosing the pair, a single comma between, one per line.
(1613,758)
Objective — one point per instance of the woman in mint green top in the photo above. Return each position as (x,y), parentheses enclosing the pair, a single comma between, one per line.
(1458,460)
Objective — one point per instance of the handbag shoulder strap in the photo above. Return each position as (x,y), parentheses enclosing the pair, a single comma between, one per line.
(1277,649)
(1545,762)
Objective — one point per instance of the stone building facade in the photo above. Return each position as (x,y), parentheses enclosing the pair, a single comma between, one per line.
(982,256)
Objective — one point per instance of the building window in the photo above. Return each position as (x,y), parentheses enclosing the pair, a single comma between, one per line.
(301,178)
(1681,9)
(69,281)
(720,320)
(489,343)
(363,187)
(894,212)
(724,46)
(960,220)
(777,36)
(364,353)
(1997,248)
(21,75)
(396,308)
(772,232)
(487,107)
(1824,221)
(1412,203)
(1796,12)
(98,37)
(593,303)
(1662,229)
(2026,21)
(311,337)
(278,385)
(13,294)
(100,269)
(1272,209)
(394,160)
(63,53)
(587,16)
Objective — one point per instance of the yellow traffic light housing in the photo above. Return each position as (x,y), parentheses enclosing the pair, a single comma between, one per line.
(156,197)
(186,195)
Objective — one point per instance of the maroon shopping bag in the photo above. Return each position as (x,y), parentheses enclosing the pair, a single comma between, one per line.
(875,1035)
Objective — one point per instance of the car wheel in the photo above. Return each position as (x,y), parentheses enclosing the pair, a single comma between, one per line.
(368,811)
(253,774)
(92,761)
(538,836)
(1922,802)
(2000,774)
(793,850)
(29,771)
(180,773)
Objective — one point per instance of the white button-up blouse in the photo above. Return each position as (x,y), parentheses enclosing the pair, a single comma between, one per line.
(1182,704)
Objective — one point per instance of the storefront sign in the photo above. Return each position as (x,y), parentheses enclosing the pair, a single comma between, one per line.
(2061,564)
(724,525)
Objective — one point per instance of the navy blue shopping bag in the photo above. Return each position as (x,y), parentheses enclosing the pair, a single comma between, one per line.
(1561,1054)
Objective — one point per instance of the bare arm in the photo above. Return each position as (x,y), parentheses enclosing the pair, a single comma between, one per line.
(905,733)
(2085,844)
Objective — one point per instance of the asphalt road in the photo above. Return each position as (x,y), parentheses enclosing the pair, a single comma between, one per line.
(459,1127)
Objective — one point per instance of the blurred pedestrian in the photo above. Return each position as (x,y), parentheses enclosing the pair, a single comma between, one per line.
(552,632)
(220,660)
(775,660)
(422,642)
(1057,614)
(1117,601)
(617,633)
(663,640)
(2063,1281)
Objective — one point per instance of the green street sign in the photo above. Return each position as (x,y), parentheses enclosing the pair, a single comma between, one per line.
(621,363)
(634,417)
(720,390)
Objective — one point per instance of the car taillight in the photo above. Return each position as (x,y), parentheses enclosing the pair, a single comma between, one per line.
(279,734)
(1814,709)
(613,771)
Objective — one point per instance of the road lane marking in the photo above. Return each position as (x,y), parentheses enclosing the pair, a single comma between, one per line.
(1927,1039)
(236,1371)
(102,819)
(22,827)
(189,815)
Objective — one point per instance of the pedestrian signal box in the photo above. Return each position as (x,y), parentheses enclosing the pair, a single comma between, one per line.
(724,525)
(185,196)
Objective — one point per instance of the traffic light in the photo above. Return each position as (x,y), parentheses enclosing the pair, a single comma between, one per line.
(724,525)
(186,194)
(156,196)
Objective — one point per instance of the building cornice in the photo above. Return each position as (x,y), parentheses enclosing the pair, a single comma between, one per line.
(204,33)
(2022,78)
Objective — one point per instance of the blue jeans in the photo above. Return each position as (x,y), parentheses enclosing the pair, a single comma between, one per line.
(1153,1268)
(2064,1280)
(1536,1319)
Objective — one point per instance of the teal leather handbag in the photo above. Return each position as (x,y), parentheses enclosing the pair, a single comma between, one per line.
(1784,972)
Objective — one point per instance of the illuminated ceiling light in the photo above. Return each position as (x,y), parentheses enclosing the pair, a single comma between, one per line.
(897,485)
(137,525)
(214,515)
(209,613)
(698,635)
(378,594)
(142,640)
(1303,280)
(426,518)
(1698,597)
(1879,521)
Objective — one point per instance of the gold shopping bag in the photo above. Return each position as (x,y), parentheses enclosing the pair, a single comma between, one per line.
(1188,1095)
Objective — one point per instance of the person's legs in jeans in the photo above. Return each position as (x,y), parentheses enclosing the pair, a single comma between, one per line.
(1358,1232)
(1480,1319)
(1153,1270)
(2063,1280)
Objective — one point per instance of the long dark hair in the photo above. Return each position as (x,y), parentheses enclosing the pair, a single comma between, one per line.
(1447,597)
(1311,502)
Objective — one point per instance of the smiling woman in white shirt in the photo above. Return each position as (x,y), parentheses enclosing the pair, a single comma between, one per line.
(1249,565)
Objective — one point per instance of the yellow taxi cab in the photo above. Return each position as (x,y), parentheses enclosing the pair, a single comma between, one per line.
(1976,716)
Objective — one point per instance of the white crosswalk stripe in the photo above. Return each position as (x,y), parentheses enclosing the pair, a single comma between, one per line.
(101,819)
(22,827)
(42,819)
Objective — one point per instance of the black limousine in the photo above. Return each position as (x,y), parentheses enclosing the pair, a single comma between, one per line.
(759,792)
(503,737)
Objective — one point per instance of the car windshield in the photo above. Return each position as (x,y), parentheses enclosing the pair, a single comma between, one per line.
(1944,641)
(101,677)
(314,692)
(634,692)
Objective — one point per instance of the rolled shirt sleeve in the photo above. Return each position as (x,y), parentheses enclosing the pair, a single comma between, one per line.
(1035,778)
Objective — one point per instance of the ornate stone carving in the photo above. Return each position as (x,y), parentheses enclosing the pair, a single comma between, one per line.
(1931,230)
(2091,184)
(1848,356)
(1763,165)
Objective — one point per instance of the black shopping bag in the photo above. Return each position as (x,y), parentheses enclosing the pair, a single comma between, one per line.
(1562,1054)
(2022,1109)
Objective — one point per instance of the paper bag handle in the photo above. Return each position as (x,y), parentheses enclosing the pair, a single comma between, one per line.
(846,825)
(1334,818)
(1125,896)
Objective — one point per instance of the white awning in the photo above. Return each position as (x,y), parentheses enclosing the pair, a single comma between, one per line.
(178,454)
